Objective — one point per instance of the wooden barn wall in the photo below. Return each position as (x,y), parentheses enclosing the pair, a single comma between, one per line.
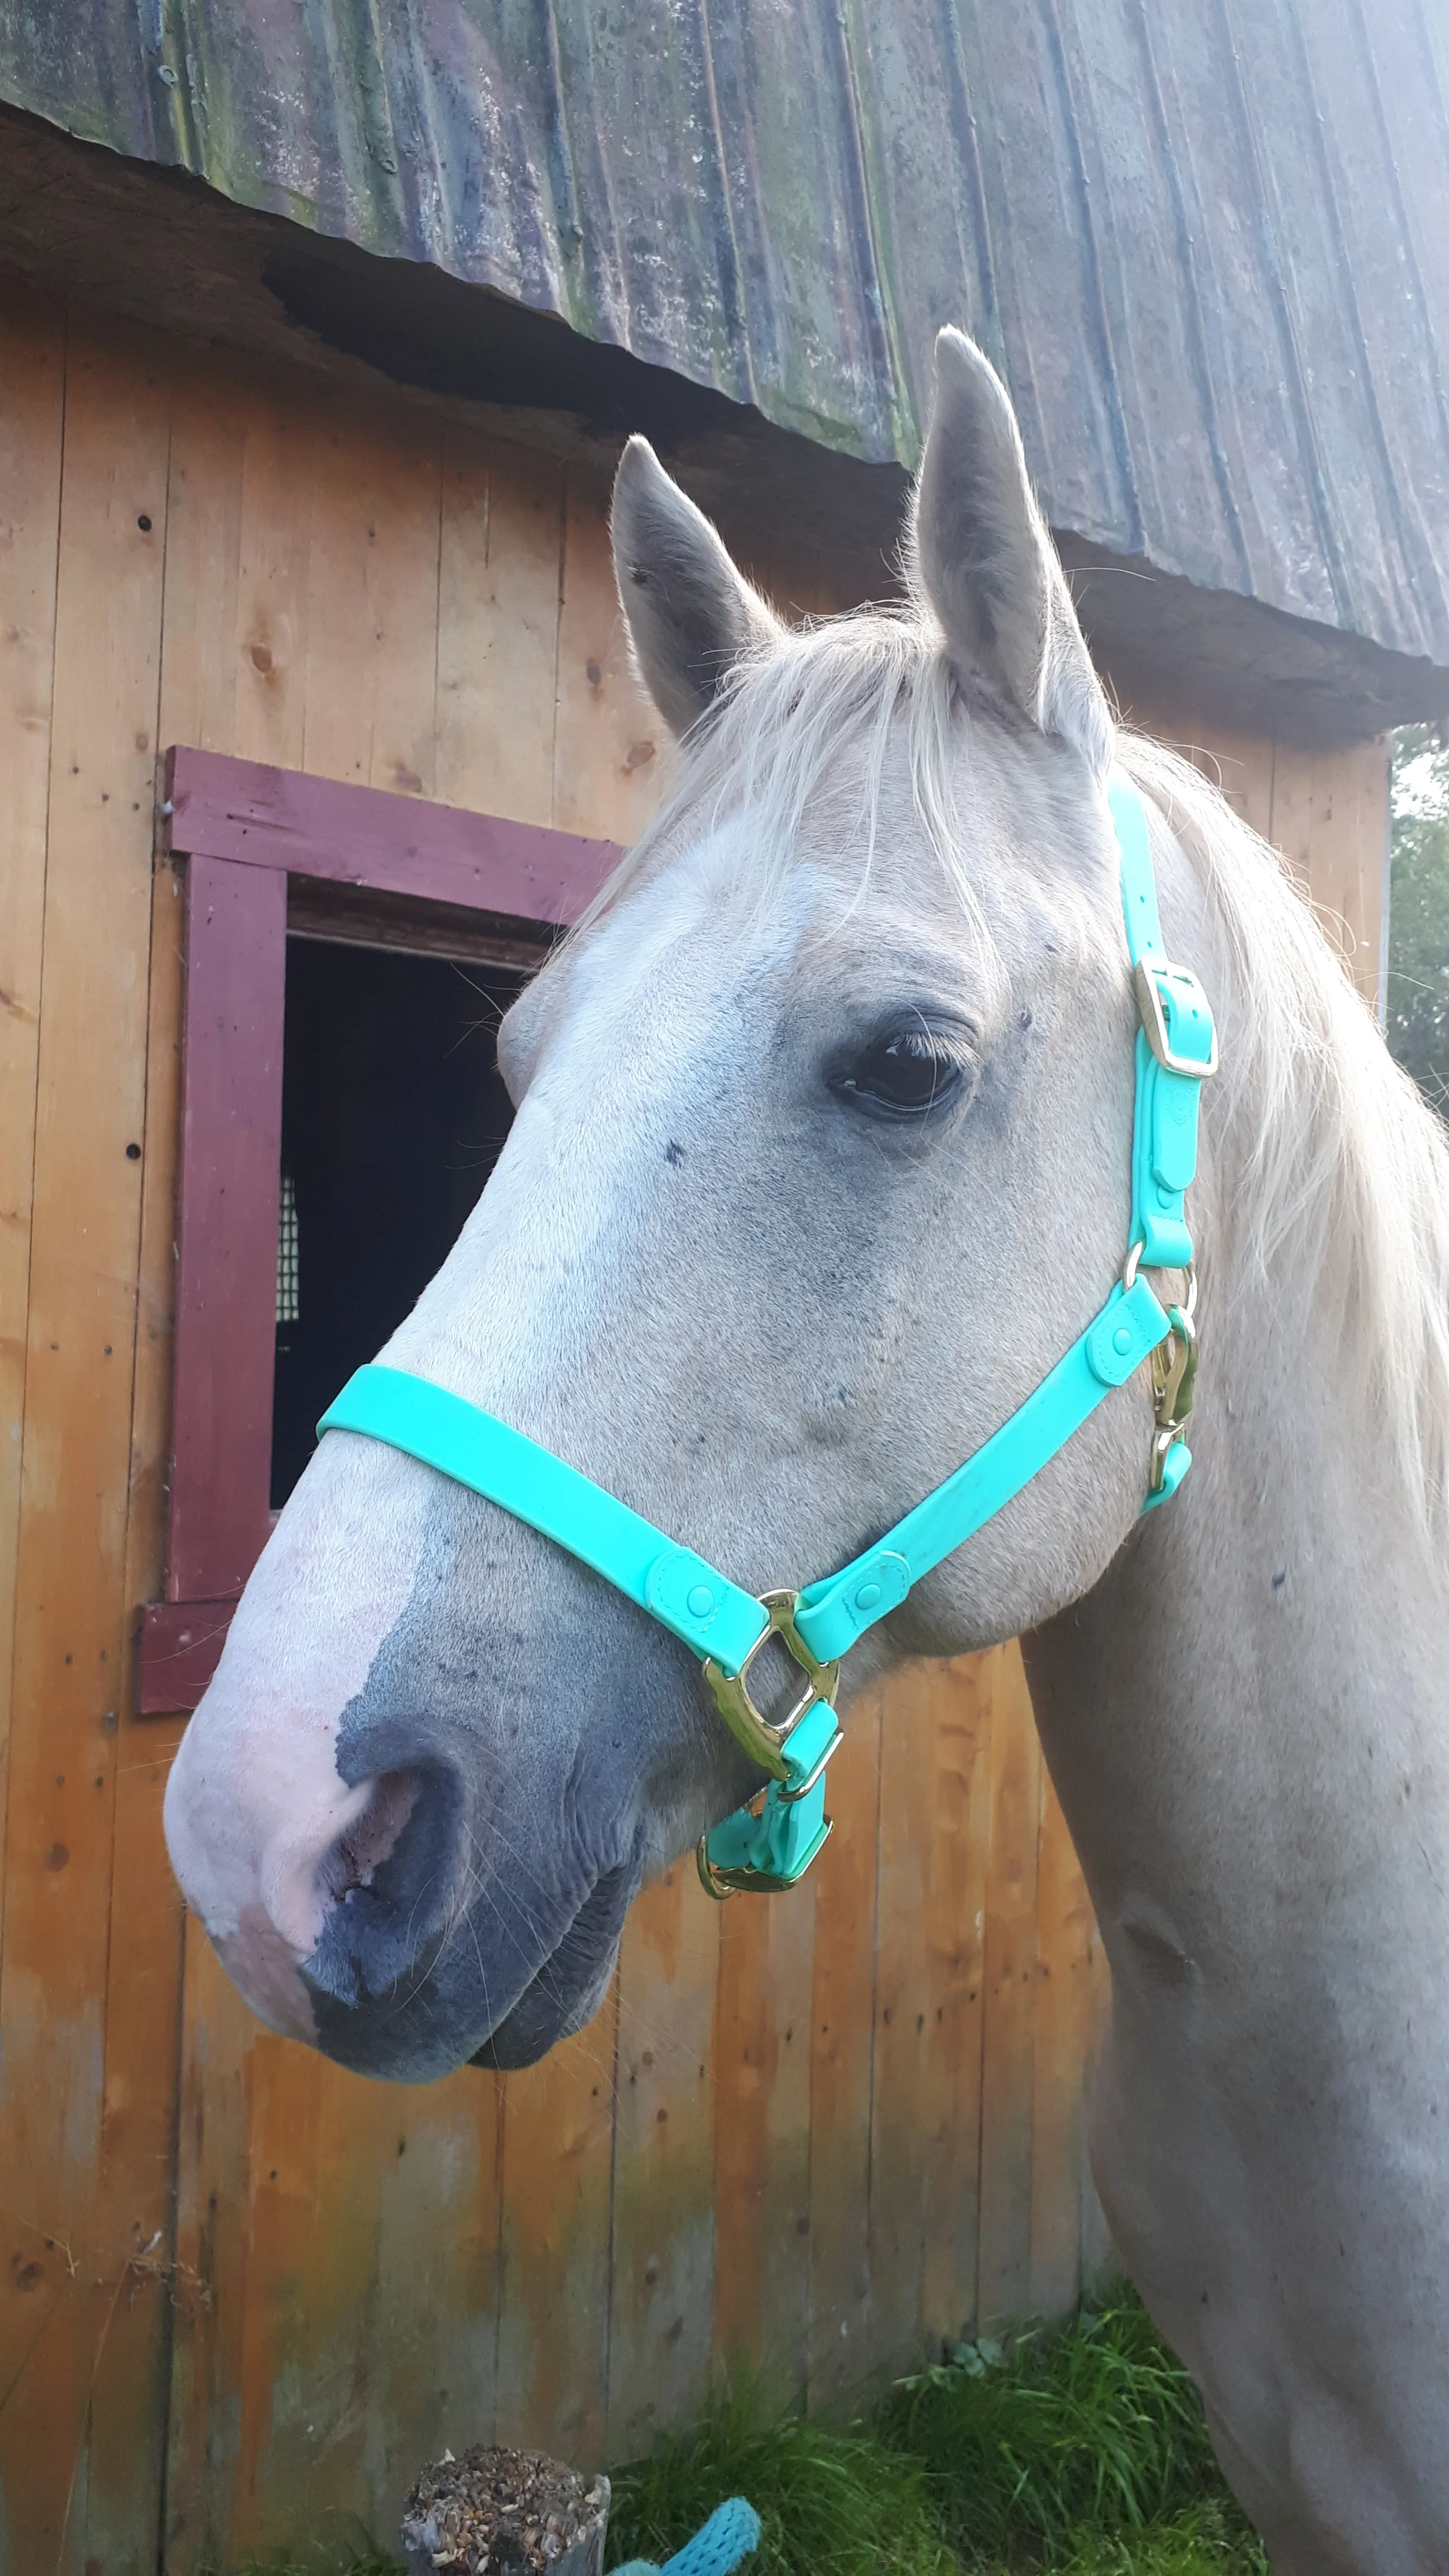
(241,2287)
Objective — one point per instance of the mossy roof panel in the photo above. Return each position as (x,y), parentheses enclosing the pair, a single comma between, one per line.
(1204,239)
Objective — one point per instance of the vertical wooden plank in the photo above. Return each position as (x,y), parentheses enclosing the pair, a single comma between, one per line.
(71,1637)
(661,2290)
(274,587)
(500,570)
(135,2197)
(1007,2057)
(762,2136)
(1061,2048)
(925,2119)
(434,2363)
(372,620)
(212,2284)
(199,673)
(1291,830)
(557,2154)
(277,2284)
(1101,2263)
(610,750)
(32,386)
(1331,822)
(131,2210)
(958,1853)
(842,2051)
(226,1271)
(151,1416)
(906,1930)
(1348,855)
(200,657)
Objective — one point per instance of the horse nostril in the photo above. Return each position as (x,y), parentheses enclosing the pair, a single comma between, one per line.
(330,1847)
(385,1883)
(371,1837)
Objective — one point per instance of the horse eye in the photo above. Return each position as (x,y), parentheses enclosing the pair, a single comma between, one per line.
(904,1074)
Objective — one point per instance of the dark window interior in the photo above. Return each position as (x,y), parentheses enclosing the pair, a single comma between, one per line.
(393,1115)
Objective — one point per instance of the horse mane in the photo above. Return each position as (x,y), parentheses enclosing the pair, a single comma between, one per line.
(1341,1168)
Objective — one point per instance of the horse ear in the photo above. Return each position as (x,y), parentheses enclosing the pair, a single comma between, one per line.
(986,563)
(690,613)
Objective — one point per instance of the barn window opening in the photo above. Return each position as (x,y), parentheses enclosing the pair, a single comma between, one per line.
(393,1115)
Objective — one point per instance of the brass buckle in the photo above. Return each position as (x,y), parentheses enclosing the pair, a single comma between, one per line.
(1154,1019)
(762,1737)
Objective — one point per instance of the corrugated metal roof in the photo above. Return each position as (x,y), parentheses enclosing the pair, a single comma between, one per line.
(1206,240)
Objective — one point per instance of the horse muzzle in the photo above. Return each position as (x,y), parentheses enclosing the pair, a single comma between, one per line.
(417,1916)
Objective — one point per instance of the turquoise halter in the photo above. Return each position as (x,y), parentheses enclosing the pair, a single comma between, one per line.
(770,1843)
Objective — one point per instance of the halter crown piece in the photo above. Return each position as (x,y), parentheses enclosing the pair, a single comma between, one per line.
(770,1843)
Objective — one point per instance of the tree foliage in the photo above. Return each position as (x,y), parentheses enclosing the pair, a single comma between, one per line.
(1418,979)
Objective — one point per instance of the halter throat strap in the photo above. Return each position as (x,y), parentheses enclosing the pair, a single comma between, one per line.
(724,1625)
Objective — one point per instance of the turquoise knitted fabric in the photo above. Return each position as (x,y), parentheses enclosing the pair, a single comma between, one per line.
(732,2531)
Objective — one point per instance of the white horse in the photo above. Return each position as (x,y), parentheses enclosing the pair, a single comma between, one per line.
(820,1162)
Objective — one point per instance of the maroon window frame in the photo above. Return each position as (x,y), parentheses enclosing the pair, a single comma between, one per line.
(245,831)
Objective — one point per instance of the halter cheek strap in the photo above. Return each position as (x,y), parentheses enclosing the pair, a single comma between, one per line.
(768,1845)
(1177,1049)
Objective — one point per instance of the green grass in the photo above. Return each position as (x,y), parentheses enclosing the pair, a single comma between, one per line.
(1207,2540)
(1028,2443)
(831,2502)
(1079,2451)
(335,2557)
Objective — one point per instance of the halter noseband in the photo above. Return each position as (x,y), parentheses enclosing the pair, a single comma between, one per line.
(769,1844)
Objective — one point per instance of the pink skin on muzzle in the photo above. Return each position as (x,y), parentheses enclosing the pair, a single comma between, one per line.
(264,1834)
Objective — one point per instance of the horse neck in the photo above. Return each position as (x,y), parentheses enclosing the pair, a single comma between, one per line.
(1244,1718)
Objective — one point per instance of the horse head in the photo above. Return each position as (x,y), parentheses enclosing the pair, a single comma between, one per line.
(819,1161)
